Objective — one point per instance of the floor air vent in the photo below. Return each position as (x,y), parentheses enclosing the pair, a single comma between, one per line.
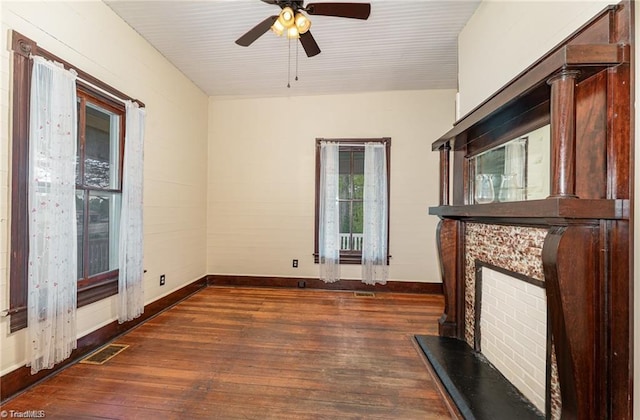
(104,354)
(364,294)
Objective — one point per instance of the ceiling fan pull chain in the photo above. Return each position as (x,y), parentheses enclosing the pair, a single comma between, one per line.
(296,62)
(289,66)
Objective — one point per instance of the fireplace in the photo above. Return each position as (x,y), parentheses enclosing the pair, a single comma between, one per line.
(506,309)
(560,258)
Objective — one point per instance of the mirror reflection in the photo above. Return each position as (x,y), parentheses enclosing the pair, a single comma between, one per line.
(517,170)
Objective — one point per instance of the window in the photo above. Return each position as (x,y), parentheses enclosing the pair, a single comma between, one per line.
(351,189)
(101,130)
(350,196)
(98,187)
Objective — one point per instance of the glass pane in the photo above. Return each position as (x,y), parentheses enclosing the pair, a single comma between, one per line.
(344,186)
(358,162)
(80,227)
(345,163)
(345,225)
(358,187)
(102,148)
(356,226)
(104,224)
(357,223)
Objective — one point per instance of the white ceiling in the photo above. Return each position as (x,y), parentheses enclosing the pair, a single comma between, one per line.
(405,44)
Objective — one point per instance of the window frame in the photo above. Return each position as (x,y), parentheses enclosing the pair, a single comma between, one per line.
(101,286)
(350,257)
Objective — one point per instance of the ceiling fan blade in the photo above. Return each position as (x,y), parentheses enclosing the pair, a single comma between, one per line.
(309,44)
(346,10)
(256,32)
(270,1)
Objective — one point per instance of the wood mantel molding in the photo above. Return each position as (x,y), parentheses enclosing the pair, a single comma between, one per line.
(538,211)
(571,270)
(450,248)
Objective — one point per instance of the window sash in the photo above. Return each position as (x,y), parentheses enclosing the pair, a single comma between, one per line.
(90,191)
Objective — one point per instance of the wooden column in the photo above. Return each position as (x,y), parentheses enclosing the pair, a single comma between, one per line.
(563,134)
(444,174)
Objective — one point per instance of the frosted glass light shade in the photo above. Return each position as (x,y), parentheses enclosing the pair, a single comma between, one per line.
(286,17)
(292,33)
(302,23)
(278,28)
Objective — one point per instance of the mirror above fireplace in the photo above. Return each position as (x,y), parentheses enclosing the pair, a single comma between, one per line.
(517,170)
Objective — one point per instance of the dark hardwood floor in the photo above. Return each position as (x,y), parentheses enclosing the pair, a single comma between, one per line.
(230,353)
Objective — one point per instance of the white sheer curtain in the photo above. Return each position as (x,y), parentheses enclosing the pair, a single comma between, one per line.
(130,280)
(329,223)
(374,244)
(53,268)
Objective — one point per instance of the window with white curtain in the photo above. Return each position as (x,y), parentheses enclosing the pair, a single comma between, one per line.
(348,199)
(99,163)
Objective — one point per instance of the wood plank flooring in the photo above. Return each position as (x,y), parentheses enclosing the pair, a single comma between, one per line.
(231,353)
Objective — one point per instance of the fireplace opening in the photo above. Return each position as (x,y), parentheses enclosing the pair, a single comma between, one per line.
(511,329)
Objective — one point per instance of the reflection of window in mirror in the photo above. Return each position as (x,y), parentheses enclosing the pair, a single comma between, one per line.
(539,163)
(517,170)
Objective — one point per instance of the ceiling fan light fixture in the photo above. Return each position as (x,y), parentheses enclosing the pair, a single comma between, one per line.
(292,32)
(302,23)
(278,28)
(286,17)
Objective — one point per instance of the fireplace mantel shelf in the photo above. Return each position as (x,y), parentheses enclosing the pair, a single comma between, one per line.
(550,208)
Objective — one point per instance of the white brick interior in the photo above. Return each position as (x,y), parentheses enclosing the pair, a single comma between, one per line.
(513,326)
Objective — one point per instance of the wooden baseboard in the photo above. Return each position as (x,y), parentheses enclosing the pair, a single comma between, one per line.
(312,283)
(20,379)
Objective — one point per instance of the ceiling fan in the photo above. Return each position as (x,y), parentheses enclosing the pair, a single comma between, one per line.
(295,24)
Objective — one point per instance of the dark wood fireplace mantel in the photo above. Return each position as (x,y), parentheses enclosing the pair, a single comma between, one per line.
(583,88)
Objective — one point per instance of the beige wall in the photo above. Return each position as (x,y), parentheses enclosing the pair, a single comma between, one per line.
(500,41)
(262,178)
(503,38)
(92,37)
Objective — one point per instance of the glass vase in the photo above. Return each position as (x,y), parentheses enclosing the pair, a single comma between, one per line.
(484,192)
(509,190)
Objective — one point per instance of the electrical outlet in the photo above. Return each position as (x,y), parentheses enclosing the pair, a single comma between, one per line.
(162,280)
(295,263)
